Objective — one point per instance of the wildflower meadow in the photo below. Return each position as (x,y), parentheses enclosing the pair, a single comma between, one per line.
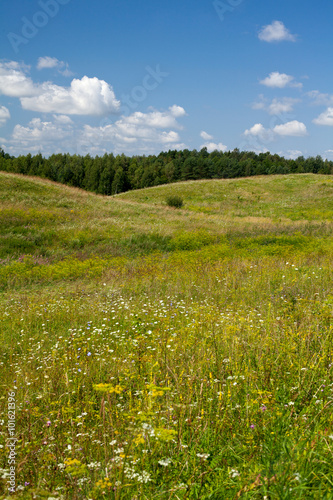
(152,352)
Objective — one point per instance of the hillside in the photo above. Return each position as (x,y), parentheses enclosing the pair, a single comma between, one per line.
(51,222)
(168,353)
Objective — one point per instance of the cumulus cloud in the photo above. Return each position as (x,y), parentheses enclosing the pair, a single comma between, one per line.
(47,137)
(293,128)
(52,62)
(177,111)
(88,96)
(258,130)
(139,133)
(4,115)
(280,80)
(139,129)
(47,62)
(325,118)
(205,136)
(276,32)
(40,131)
(14,82)
(157,119)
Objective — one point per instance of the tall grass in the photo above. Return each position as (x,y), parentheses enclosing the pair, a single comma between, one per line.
(194,364)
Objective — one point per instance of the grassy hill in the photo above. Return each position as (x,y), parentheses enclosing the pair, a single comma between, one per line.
(44,225)
(163,353)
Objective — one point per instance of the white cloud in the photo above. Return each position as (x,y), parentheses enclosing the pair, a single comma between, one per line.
(88,96)
(137,133)
(279,106)
(209,144)
(4,115)
(325,118)
(52,62)
(280,80)
(177,111)
(140,133)
(212,146)
(39,130)
(14,82)
(276,32)
(158,119)
(320,99)
(46,136)
(62,119)
(47,62)
(293,128)
(206,136)
(276,106)
(257,130)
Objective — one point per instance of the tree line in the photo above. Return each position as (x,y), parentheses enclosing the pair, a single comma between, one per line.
(110,174)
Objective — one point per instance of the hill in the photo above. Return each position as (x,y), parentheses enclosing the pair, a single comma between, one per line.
(151,352)
(55,220)
(111,174)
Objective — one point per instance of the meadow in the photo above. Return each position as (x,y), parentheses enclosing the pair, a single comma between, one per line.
(157,353)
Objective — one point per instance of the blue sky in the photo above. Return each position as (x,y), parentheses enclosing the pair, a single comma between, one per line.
(142,77)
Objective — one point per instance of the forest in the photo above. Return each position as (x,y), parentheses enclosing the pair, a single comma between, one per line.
(110,174)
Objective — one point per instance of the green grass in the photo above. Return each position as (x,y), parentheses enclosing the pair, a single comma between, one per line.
(168,354)
(294,197)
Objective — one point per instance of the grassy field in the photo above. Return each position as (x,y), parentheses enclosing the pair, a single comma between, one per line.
(155,353)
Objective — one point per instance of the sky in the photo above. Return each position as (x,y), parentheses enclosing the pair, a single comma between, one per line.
(122,76)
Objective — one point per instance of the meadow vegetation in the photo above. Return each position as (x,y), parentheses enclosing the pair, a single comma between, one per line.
(162,353)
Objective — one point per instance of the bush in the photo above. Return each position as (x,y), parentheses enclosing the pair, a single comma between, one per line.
(175,201)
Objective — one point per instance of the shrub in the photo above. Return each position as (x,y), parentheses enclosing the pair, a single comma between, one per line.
(175,201)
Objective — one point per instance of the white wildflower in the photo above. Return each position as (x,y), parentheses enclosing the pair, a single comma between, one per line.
(234,473)
(165,462)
